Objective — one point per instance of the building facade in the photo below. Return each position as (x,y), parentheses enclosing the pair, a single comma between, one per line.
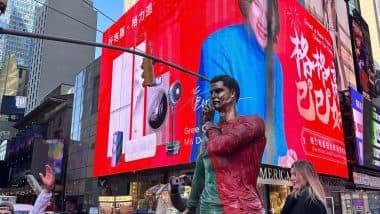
(42,138)
(372,17)
(50,59)
(18,16)
(81,186)
(13,82)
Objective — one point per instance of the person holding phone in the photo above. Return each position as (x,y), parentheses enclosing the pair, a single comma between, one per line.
(46,194)
(43,198)
(227,169)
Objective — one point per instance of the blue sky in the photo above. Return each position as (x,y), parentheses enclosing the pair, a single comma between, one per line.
(113,9)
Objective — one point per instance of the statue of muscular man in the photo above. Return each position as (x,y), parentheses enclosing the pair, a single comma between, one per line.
(227,168)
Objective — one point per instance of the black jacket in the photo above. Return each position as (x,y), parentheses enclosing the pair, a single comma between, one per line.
(302,204)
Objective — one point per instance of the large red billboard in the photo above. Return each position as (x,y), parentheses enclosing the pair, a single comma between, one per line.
(140,128)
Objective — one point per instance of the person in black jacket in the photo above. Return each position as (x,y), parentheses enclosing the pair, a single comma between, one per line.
(308,195)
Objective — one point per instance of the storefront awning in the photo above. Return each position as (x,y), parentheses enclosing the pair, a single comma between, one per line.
(274,175)
(366,181)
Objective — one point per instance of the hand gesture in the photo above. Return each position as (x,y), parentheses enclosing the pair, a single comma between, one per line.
(49,179)
(208,113)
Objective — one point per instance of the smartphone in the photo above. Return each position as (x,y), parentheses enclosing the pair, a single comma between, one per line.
(33,184)
(117,148)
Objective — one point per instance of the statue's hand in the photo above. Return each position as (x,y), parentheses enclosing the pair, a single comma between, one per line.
(208,113)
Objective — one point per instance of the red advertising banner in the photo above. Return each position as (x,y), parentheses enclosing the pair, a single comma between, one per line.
(141,128)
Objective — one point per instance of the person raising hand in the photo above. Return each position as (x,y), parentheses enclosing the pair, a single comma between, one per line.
(44,197)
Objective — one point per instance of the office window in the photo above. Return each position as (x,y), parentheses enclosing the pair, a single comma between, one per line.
(77,107)
(95,97)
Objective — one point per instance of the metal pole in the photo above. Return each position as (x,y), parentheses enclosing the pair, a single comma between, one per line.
(101,45)
(270,129)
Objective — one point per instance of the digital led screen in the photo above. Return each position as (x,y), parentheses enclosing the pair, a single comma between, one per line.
(362,52)
(357,110)
(140,127)
(371,120)
(11,105)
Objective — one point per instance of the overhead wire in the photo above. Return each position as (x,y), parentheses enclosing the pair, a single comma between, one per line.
(92,6)
(89,26)
(105,15)
(75,19)
(99,11)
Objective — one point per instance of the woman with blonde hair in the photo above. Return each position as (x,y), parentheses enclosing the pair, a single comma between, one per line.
(308,195)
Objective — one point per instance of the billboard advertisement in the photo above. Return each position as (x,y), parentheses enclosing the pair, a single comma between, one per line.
(336,22)
(371,119)
(357,112)
(12,105)
(22,143)
(55,155)
(362,52)
(316,8)
(141,127)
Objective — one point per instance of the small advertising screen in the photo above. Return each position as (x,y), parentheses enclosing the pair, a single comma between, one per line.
(357,111)
(336,21)
(55,155)
(362,52)
(12,105)
(371,120)
(149,127)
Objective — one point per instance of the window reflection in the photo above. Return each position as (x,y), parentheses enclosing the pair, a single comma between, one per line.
(77,107)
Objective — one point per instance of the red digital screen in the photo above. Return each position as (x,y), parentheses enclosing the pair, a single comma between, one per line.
(148,127)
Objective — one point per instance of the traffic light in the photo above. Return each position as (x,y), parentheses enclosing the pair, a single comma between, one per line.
(3,6)
(148,72)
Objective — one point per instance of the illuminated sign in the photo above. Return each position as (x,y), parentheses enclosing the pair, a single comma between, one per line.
(362,52)
(55,155)
(357,110)
(274,175)
(371,120)
(13,105)
(140,128)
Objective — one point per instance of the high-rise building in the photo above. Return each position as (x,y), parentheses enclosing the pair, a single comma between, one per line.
(13,78)
(18,16)
(80,182)
(54,63)
(128,4)
(372,17)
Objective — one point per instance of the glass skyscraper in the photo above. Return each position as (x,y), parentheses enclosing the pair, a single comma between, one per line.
(18,16)
(54,63)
